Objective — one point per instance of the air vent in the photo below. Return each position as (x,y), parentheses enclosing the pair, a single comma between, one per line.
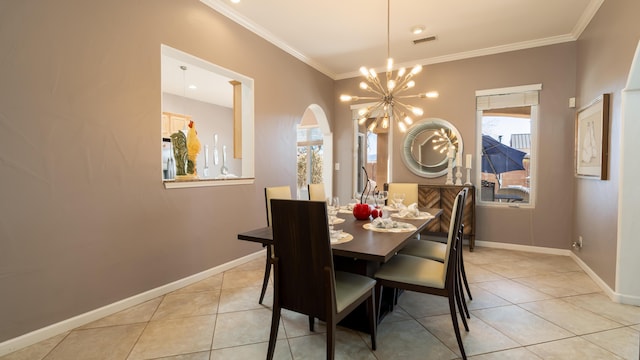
(420,41)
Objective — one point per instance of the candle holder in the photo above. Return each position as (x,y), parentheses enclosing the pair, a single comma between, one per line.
(458,175)
(468,176)
(449,172)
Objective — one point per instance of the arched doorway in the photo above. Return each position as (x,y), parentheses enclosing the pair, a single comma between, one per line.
(314,151)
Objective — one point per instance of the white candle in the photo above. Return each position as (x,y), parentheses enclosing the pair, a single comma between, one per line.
(459,161)
(468,161)
(450,153)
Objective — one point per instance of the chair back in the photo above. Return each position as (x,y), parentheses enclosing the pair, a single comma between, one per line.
(275,192)
(304,279)
(316,192)
(454,235)
(410,191)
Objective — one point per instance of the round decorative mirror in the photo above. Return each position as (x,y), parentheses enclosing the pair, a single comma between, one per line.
(426,144)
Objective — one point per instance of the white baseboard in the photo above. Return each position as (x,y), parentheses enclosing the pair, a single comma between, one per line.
(33,337)
(614,296)
(528,248)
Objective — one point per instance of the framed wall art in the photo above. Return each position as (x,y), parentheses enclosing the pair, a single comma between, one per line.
(592,139)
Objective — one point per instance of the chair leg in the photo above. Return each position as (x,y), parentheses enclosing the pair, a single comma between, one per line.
(267,273)
(331,339)
(456,327)
(464,275)
(379,298)
(371,307)
(459,297)
(273,336)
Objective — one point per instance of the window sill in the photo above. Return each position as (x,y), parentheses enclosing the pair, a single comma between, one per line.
(182,184)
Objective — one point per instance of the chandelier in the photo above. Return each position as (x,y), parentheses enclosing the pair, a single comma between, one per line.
(388,106)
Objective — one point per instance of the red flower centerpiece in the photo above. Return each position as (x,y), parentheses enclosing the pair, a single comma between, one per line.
(362,211)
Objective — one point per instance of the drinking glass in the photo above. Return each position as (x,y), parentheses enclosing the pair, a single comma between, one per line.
(398,198)
(381,197)
(333,205)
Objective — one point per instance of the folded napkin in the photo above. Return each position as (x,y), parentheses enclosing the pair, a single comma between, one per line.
(336,235)
(410,211)
(387,223)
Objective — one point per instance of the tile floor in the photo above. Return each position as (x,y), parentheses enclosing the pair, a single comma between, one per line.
(525,306)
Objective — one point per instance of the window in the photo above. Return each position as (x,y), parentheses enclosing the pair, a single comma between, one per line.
(309,159)
(507,123)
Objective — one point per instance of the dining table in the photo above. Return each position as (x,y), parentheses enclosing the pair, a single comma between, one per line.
(367,249)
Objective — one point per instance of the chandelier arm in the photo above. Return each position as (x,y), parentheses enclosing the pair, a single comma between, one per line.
(378,84)
(375,91)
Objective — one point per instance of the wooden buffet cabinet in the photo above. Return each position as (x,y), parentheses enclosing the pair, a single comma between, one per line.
(442,197)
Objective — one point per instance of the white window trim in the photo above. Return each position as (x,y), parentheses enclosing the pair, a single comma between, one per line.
(533,181)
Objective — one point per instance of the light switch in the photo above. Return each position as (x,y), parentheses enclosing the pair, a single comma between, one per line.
(572,102)
(337,166)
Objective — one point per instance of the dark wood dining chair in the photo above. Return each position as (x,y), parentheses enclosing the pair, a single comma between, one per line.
(274,192)
(413,273)
(436,249)
(304,277)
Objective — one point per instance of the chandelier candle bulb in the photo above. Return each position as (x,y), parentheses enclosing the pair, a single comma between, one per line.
(468,161)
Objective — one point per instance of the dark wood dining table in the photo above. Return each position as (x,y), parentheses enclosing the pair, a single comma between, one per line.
(363,255)
(367,245)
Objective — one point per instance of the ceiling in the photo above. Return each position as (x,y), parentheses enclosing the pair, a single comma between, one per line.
(337,37)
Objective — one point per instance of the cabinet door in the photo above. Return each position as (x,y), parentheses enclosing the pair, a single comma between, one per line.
(448,197)
(429,197)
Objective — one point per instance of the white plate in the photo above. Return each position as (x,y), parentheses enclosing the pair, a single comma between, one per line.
(337,221)
(422,216)
(405,228)
(345,237)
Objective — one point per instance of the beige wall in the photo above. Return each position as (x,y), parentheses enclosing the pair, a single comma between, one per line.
(549,224)
(605,52)
(84,218)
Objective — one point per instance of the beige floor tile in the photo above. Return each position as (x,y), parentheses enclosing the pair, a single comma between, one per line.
(209,284)
(253,351)
(246,298)
(483,299)
(512,291)
(516,269)
(572,348)
(560,263)
(202,355)
(243,328)
(398,314)
(348,345)
(521,325)
(296,324)
(512,354)
(419,305)
(602,305)
(561,284)
(570,317)
(483,255)
(174,337)
(481,338)
(238,279)
(256,264)
(409,340)
(175,306)
(235,326)
(136,314)
(623,342)
(477,273)
(113,342)
(36,351)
